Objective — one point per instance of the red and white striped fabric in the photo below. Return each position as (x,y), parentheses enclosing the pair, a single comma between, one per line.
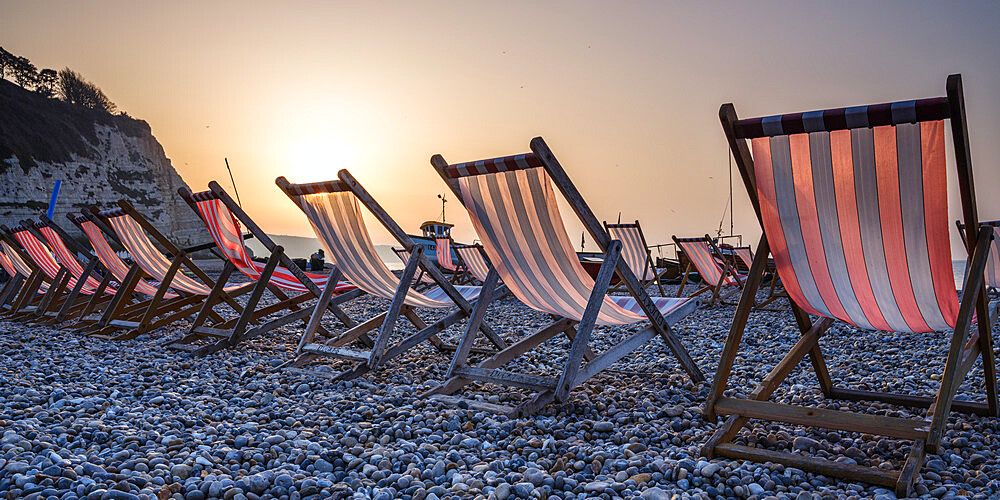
(134,239)
(228,236)
(113,263)
(857,222)
(336,219)
(515,214)
(700,255)
(993,262)
(66,258)
(43,258)
(634,251)
(442,250)
(11,258)
(8,265)
(744,254)
(473,258)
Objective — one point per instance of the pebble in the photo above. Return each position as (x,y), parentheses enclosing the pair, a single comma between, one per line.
(86,418)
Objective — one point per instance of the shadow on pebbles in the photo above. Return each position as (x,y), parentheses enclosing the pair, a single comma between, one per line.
(86,418)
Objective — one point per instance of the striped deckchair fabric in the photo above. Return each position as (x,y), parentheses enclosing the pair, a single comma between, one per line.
(700,253)
(442,251)
(634,250)
(474,260)
(228,236)
(65,258)
(44,259)
(744,254)
(17,264)
(993,261)
(110,259)
(132,236)
(513,208)
(336,218)
(853,203)
(832,188)
(8,265)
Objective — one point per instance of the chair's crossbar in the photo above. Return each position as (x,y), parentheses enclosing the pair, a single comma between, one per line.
(872,115)
(204,195)
(494,165)
(316,188)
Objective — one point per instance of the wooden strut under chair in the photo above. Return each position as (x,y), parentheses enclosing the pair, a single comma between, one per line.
(635,252)
(332,209)
(33,283)
(775,291)
(177,295)
(222,216)
(522,252)
(702,256)
(835,175)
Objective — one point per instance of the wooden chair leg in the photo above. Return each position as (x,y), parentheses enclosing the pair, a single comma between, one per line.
(255,295)
(472,326)
(687,271)
(568,378)
(317,313)
(389,325)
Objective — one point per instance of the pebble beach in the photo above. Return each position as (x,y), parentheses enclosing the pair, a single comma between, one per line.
(96,419)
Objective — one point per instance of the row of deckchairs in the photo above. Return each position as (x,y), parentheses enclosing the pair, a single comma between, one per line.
(852,204)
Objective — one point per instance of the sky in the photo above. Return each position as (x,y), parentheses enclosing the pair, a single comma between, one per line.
(625,93)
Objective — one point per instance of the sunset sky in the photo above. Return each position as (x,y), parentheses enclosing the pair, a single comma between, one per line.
(626,93)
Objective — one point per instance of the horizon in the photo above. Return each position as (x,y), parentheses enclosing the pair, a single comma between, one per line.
(626,95)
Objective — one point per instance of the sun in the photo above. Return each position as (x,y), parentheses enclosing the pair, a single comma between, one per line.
(317,158)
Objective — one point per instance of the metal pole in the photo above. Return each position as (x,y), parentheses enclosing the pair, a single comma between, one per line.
(231,179)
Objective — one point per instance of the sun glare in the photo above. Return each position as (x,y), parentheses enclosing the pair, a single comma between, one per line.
(317,158)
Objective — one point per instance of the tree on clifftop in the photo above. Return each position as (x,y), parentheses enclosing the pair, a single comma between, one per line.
(73,88)
(25,73)
(47,81)
(6,63)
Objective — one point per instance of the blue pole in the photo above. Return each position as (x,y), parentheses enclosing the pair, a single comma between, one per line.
(52,201)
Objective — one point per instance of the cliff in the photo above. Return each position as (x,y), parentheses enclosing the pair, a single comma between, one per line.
(100,159)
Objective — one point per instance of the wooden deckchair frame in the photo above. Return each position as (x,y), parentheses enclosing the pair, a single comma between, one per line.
(965,347)
(235,331)
(728,270)
(129,305)
(28,292)
(380,352)
(961,232)
(160,311)
(650,262)
(59,293)
(574,372)
(77,305)
(774,292)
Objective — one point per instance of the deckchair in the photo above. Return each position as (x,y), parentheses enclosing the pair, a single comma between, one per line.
(993,261)
(333,211)
(222,217)
(513,208)
(20,277)
(636,254)
(745,255)
(63,279)
(853,205)
(442,251)
(100,292)
(716,273)
(35,283)
(133,232)
(136,294)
